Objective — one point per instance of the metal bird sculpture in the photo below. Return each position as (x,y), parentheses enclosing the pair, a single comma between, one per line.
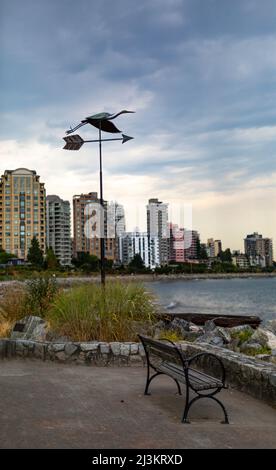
(101,121)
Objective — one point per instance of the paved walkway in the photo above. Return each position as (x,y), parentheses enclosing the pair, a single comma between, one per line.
(45,405)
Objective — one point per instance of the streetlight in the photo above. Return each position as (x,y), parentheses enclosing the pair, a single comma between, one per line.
(101,121)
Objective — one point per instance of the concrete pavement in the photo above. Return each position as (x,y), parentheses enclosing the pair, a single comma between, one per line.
(45,405)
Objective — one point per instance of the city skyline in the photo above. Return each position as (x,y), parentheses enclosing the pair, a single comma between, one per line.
(200,78)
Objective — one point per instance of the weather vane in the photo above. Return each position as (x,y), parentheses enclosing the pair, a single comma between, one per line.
(101,121)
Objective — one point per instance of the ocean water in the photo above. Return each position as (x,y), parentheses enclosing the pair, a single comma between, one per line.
(249,296)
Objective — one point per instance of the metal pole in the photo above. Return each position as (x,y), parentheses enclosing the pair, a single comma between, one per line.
(103,212)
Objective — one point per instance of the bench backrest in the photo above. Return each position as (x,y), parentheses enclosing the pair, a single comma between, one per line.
(160,351)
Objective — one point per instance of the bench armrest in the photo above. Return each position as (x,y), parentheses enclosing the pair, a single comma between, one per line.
(213,356)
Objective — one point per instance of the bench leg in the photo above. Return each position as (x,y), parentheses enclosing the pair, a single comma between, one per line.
(149,379)
(189,404)
(226,419)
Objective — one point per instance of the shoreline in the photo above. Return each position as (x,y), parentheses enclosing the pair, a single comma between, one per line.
(150,277)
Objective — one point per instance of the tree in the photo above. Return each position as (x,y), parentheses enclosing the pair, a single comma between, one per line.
(226,256)
(51,261)
(137,264)
(86,262)
(35,254)
(5,257)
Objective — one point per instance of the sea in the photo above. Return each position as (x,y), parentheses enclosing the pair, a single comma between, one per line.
(235,296)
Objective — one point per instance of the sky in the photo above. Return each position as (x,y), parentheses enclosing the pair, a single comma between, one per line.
(201,78)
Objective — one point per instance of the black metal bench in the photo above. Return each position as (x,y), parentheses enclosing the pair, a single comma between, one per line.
(167,359)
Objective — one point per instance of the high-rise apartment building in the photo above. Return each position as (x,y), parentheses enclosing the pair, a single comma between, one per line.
(213,248)
(22,211)
(256,246)
(132,243)
(191,238)
(87,226)
(176,244)
(157,226)
(59,228)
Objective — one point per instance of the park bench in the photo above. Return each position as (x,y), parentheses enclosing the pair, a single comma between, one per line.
(164,357)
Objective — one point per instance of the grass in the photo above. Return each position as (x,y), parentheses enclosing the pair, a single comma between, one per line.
(88,313)
(261,350)
(170,335)
(242,336)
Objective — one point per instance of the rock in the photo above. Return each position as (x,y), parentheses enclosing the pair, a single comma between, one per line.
(263,357)
(210,339)
(271,340)
(195,328)
(57,347)
(224,334)
(179,325)
(30,327)
(134,348)
(241,328)
(104,348)
(93,346)
(209,326)
(125,349)
(271,326)
(259,336)
(115,348)
(250,348)
(70,349)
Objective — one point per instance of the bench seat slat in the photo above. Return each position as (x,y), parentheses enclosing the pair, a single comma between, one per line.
(199,380)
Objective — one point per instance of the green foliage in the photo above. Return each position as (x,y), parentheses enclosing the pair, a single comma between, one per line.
(40,293)
(5,257)
(226,256)
(35,255)
(137,264)
(170,335)
(116,313)
(242,336)
(86,262)
(51,261)
(261,350)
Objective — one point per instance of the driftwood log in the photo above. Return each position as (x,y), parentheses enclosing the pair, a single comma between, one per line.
(226,321)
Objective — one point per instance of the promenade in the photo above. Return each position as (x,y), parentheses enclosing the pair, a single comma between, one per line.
(45,405)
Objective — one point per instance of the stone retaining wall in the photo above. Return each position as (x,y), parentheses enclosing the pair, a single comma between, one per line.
(256,378)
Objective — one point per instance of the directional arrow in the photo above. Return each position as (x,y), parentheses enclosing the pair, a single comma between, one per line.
(74,142)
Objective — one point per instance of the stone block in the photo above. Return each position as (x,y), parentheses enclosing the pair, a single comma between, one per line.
(92,346)
(70,349)
(134,348)
(125,349)
(104,348)
(115,348)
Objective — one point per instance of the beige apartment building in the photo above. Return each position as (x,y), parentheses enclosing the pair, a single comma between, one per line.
(84,232)
(22,211)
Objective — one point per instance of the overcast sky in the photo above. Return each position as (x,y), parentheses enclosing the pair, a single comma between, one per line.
(201,76)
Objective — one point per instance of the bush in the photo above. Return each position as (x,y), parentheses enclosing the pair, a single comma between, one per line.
(40,293)
(170,335)
(117,313)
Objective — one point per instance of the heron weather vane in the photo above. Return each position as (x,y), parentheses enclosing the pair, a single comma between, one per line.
(101,121)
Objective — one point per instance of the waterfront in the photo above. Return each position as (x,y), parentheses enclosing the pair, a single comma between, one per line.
(236,296)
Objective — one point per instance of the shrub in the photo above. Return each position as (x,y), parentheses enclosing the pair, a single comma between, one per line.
(40,293)
(242,336)
(117,313)
(170,335)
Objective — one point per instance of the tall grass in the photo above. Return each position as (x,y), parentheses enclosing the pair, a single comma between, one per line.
(116,314)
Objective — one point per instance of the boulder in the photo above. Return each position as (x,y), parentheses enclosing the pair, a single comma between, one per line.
(240,328)
(259,336)
(250,349)
(271,326)
(209,326)
(30,327)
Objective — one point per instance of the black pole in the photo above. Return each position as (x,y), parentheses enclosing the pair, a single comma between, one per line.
(103,212)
